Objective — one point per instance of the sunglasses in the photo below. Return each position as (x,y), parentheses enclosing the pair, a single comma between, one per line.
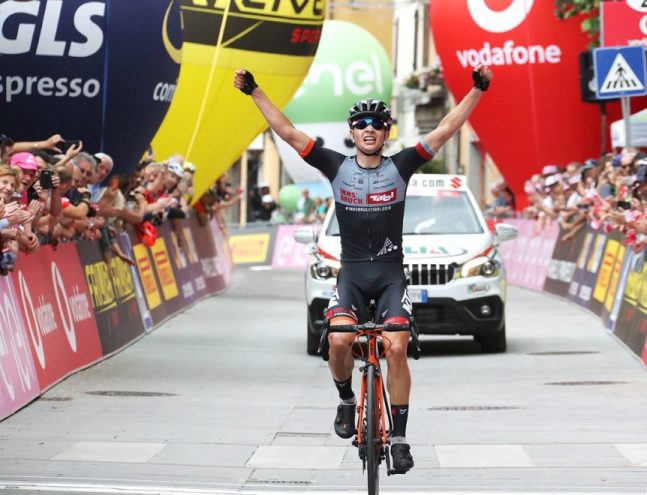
(376,124)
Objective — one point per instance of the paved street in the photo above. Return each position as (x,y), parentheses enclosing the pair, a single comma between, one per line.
(224,399)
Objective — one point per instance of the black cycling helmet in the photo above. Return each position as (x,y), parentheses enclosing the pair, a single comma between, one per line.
(370,108)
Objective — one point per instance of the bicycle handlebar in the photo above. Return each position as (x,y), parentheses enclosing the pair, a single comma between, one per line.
(370,326)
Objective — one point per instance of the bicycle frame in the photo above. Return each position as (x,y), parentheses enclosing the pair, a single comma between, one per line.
(372,363)
(369,353)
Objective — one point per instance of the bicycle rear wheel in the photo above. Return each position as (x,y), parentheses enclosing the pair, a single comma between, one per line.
(372,434)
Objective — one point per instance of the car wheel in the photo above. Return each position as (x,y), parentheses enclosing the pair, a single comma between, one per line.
(494,343)
(312,342)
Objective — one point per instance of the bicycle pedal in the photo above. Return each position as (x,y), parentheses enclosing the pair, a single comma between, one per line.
(395,471)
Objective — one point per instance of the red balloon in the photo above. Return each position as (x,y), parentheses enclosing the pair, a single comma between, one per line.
(533,114)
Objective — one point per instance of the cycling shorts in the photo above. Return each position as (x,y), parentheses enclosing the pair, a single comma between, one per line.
(360,281)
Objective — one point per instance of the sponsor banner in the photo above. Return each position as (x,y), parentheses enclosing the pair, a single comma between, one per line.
(184,261)
(69,57)
(148,279)
(251,245)
(561,267)
(113,296)
(622,24)
(580,289)
(18,380)
(224,260)
(619,297)
(631,326)
(205,246)
(287,252)
(164,271)
(612,279)
(527,263)
(145,313)
(604,273)
(57,308)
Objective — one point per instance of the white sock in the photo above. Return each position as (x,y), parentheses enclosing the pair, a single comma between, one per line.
(395,440)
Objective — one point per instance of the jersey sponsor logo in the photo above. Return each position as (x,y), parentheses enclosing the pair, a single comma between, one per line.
(388,247)
(383,197)
(350,197)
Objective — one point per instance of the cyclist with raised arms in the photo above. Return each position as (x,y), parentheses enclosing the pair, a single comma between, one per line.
(369,192)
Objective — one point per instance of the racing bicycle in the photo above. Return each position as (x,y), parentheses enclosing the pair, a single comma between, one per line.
(374,420)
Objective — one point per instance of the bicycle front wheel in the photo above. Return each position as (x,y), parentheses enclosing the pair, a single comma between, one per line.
(372,434)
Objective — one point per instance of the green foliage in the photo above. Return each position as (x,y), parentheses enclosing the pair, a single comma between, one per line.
(565,9)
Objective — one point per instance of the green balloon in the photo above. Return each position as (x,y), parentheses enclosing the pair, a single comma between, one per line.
(350,65)
(289,197)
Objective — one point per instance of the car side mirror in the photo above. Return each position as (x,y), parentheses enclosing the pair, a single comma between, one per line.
(506,232)
(305,235)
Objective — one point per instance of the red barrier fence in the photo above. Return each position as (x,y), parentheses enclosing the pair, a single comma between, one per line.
(65,309)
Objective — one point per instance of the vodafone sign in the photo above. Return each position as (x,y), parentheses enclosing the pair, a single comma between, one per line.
(623,23)
(532,114)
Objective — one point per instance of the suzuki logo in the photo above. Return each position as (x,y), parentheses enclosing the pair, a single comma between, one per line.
(499,21)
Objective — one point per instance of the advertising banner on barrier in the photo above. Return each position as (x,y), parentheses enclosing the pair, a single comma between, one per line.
(164,271)
(287,252)
(251,245)
(606,284)
(145,313)
(561,267)
(224,260)
(18,380)
(527,263)
(57,309)
(205,246)
(631,325)
(184,261)
(114,298)
(148,279)
(580,289)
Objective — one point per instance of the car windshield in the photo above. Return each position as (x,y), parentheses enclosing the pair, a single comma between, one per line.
(447,212)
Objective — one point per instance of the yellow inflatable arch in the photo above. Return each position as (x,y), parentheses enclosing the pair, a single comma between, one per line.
(209,121)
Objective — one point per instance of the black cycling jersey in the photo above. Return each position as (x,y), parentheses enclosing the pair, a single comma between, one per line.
(369,203)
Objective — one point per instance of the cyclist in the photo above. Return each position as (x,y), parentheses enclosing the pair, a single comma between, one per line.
(369,193)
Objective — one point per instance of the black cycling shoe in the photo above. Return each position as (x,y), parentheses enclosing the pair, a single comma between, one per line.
(345,420)
(401,459)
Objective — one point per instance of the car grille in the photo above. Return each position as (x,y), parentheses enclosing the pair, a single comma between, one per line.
(429,274)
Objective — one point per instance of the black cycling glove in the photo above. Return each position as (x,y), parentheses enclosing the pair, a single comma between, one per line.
(250,84)
(479,81)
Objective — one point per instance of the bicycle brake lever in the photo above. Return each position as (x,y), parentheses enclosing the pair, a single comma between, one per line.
(416,350)
(323,343)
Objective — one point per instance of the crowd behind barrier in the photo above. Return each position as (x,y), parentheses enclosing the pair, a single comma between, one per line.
(90,262)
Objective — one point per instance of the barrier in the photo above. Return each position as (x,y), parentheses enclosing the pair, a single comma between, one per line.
(592,269)
(65,309)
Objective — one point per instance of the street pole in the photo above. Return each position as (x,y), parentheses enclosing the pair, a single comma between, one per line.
(626,114)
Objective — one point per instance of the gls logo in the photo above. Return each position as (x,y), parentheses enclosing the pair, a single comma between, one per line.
(47,43)
(499,21)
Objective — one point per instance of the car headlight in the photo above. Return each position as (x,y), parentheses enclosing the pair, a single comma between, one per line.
(480,265)
(323,270)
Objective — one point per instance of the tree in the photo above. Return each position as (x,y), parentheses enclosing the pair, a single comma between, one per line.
(565,9)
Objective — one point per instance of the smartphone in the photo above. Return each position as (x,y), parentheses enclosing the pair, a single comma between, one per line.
(623,205)
(583,206)
(66,145)
(46,179)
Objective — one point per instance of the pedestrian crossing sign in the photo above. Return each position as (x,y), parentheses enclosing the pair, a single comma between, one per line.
(620,72)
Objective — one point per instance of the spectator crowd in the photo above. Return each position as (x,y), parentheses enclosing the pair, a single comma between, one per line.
(54,191)
(608,193)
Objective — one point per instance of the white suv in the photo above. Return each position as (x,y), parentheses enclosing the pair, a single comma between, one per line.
(456,278)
